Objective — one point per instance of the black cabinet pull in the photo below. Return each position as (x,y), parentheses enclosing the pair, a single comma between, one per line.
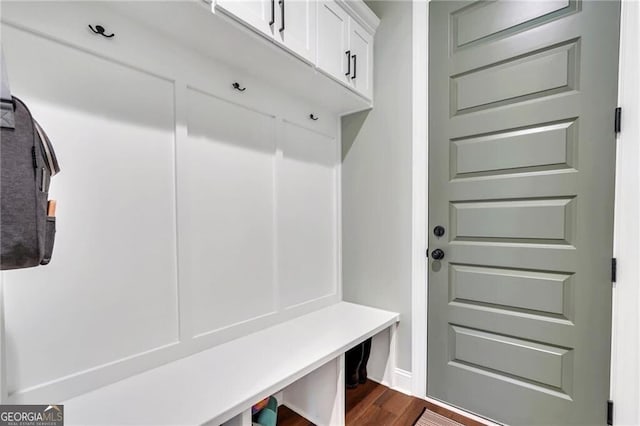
(355,63)
(348,53)
(273,13)
(281,2)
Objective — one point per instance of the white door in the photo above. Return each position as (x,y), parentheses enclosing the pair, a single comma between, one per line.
(259,14)
(361,46)
(333,40)
(295,26)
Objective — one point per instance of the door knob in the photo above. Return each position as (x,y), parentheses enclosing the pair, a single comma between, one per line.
(437,254)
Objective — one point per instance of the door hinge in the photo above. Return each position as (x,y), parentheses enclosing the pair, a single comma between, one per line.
(617,122)
(614,269)
(610,412)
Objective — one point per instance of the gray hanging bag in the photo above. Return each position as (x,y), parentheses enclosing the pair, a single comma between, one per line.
(27,163)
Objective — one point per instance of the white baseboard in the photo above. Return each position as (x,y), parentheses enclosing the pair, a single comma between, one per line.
(401,381)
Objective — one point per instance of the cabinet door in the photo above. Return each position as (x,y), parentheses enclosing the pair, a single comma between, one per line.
(333,39)
(361,46)
(296,26)
(259,14)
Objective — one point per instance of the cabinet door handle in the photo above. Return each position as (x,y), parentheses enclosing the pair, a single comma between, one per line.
(355,63)
(273,13)
(281,2)
(348,53)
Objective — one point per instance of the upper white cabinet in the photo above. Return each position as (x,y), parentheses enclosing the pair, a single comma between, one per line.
(334,35)
(334,56)
(296,21)
(259,14)
(361,67)
(291,23)
(345,48)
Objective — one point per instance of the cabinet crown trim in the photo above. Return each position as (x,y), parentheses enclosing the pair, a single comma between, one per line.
(359,11)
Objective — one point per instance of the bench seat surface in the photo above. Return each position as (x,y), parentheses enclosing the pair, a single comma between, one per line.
(218,383)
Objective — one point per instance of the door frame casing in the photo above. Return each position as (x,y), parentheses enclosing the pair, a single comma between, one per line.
(419,276)
(624,387)
(625,345)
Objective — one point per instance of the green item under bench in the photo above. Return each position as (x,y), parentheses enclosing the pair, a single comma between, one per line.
(268,416)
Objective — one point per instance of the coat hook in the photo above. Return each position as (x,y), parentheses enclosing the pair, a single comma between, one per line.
(99,29)
(313,117)
(236,86)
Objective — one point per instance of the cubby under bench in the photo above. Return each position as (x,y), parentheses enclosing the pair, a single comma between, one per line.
(301,359)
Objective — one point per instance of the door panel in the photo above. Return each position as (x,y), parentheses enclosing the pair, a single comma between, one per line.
(537,74)
(521,175)
(525,360)
(526,150)
(545,219)
(493,19)
(511,289)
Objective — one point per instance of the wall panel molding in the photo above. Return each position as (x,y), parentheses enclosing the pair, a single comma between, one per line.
(186,72)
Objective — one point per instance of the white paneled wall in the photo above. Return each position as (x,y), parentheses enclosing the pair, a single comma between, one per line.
(111,291)
(307,241)
(189,213)
(226,207)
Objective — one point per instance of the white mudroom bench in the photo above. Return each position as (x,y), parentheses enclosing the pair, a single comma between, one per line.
(221,384)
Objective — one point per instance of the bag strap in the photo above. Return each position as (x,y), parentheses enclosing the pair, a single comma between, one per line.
(6,100)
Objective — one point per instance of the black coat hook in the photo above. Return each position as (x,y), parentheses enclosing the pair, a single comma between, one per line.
(99,29)
(236,86)
(313,117)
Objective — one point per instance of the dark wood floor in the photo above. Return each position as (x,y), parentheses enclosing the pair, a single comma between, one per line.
(374,404)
